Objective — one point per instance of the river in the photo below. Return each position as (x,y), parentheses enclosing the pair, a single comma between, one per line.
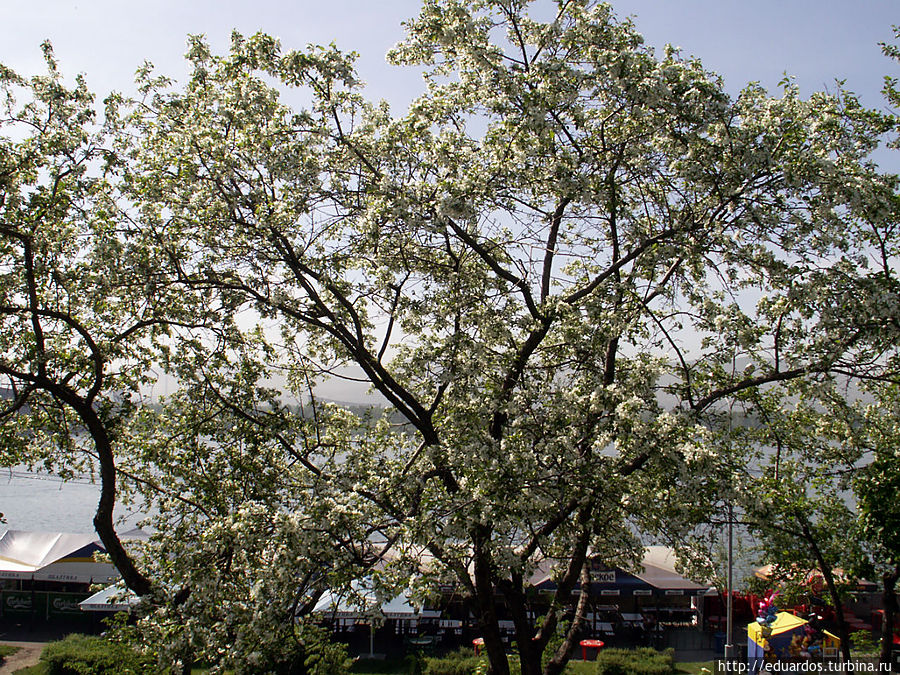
(33,501)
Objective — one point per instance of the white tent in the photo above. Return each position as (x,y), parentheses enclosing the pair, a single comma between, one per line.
(55,556)
(340,606)
(115,598)
(400,607)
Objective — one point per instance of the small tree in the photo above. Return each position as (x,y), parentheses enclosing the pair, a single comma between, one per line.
(252,527)
(797,507)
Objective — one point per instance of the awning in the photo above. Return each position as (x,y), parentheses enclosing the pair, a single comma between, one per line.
(784,622)
(400,607)
(56,556)
(115,598)
(46,555)
(657,577)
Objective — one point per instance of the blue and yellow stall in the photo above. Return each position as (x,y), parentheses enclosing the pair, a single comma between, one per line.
(788,638)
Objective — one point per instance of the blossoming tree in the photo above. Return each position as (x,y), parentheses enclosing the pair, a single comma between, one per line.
(559,268)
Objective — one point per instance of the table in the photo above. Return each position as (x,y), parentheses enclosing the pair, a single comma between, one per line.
(592,644)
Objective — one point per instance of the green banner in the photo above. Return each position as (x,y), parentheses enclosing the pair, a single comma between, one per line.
(64,604)
(17,602)
(46,605)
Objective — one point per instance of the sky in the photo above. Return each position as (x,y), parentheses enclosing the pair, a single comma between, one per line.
(816,41)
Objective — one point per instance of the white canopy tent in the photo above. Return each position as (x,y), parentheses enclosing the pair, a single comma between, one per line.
(400,607)
(367,609)
(56,556)
(115,598)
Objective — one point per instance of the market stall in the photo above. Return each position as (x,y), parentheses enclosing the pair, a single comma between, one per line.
(788,638)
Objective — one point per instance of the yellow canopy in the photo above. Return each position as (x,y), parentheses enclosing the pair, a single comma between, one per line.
(784,621)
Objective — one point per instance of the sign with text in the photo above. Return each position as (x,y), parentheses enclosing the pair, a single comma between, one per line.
(604,576)
(16,602)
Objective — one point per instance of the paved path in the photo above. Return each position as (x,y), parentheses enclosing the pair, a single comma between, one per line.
(28,655)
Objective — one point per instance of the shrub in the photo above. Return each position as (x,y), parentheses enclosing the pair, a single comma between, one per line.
(643,661)
(321,656)
(87,655)
(460,662)
(862,644)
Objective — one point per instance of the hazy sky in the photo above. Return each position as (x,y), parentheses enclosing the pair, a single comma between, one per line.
(815,40)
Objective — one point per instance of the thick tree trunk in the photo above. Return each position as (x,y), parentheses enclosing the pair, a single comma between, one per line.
(529,652)
(532,664)
(558,663)
(889,603)
(484,601)
(103,518)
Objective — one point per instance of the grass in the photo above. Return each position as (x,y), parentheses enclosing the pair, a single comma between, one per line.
(8,650)
(40,669)
(694,667)
(574,667)
(402,666)
(378,667)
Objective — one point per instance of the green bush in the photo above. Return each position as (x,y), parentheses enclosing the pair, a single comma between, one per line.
(320,655)
(87,655)
(643,661)
(460,662)
(862,644)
